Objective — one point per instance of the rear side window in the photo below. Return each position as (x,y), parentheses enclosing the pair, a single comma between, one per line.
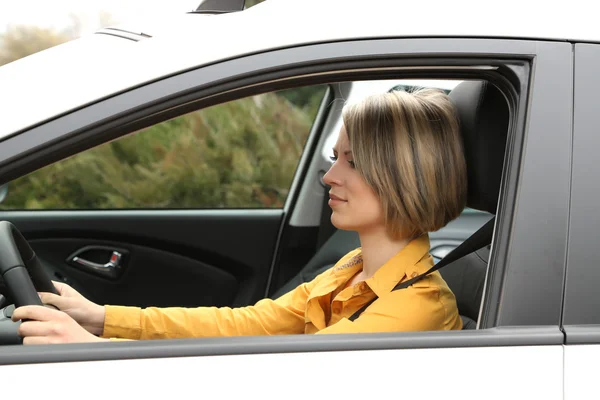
(240,154)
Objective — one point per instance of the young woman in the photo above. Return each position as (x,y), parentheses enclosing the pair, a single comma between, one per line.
(398,173)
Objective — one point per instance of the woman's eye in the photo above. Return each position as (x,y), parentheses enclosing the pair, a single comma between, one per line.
(351,164)
(333,158)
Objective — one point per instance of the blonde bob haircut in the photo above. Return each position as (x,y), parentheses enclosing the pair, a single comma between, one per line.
(408,148)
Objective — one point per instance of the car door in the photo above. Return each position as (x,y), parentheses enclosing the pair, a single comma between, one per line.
(517,350)
(581,319)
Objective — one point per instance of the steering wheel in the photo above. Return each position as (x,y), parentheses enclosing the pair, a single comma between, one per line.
(23,275)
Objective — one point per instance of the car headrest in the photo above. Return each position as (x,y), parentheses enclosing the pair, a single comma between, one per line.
(484,117)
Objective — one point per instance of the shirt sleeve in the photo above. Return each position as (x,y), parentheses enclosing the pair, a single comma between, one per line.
(284,315)
(412,309)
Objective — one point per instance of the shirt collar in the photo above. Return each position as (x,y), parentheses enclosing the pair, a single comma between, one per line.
(412,260)
(343,270)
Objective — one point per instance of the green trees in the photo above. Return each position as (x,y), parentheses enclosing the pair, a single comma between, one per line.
(241,154)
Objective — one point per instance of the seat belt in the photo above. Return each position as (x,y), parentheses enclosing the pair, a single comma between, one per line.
(481,238)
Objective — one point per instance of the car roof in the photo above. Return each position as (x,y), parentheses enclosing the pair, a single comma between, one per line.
(49,83)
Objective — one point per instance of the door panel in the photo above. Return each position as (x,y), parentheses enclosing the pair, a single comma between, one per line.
(581,316)
(150,277)
(581,301)
(175,258)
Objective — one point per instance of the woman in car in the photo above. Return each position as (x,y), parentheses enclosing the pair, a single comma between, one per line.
(398,173)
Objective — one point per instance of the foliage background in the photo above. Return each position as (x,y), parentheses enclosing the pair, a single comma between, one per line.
(241,154)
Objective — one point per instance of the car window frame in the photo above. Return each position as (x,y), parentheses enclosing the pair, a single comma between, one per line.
(364,58)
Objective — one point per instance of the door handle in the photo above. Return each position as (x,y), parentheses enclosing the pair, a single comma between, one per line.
(110,269)
(114,262)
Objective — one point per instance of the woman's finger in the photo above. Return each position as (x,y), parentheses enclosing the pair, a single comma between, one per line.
(60,287)
(37,313)
(55,300)
(36,340)
(33,328)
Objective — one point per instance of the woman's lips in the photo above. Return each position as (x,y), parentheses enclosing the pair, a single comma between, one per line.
(334,200)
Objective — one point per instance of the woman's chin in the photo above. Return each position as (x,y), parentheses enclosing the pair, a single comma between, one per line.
(341,223)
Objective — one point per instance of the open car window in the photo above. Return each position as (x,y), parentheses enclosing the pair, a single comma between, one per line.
(240,154)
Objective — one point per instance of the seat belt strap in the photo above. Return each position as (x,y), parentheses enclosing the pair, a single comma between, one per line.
(481,238)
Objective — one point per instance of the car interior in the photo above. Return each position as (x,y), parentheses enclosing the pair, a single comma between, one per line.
(195,279)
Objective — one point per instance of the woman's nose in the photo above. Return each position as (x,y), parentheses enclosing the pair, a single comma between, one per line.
(331,177)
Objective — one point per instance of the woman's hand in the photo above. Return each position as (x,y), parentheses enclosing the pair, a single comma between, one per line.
(48,326)
(86,313)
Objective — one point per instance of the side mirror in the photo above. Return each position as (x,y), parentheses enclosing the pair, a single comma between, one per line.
(3,192)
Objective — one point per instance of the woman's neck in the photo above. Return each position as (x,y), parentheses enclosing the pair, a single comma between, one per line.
(377,248)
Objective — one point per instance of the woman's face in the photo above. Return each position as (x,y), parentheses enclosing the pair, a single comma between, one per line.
(353,203)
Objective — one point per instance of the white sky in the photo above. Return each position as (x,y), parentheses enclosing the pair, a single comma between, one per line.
(57,13)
